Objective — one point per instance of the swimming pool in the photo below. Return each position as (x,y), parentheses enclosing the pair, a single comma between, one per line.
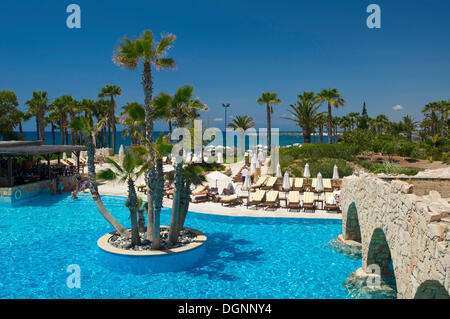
(245,257)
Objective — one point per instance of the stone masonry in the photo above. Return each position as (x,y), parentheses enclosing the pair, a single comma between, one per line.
(394,225)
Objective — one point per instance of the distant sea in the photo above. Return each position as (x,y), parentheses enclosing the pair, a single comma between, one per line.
(288,139)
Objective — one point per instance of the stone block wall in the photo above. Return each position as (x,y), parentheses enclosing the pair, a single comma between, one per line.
(394,224)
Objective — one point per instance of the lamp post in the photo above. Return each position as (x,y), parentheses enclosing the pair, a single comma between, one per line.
(225,106)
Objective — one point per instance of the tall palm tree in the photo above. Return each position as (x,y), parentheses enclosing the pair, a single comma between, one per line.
(183,104)
(17,117)
(333,98)
(269,99)
(129,54)
(242,122)
(409,125)
(161,148)
(37,107)
(86,126)
(430,110)
(321,120)
(443,107)
(353,116)
(111,91)
(126,172)
(381,123)
(133,119)
(304,113)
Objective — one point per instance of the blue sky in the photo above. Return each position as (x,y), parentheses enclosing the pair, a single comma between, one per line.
(232,51)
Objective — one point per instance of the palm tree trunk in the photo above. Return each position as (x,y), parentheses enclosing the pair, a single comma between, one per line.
(113,124)
(53,133)
(269,129)
(92,183)
(38,131)
(306,134)
(175,218)
(42,123)
(61,129)
(185,205)
(147,84)
(132,198)
(330,133)
(321,134)
(157,204)
(109,135)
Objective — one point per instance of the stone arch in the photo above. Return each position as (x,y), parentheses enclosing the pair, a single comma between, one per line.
(379,253)
(431,289)
(352,228)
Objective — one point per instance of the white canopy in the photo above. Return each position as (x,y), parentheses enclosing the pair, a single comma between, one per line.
(216,176)
(306,172)
(121,153)
(279,174)
(335,172)
(247,183)
(319,186)
(253,168)
(286,184)
(64,155)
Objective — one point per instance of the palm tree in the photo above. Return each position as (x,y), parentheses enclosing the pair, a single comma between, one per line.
(183,104)
(192,175)
(126,172)
(332,98)
(161,148)
(381,123)
(443,107)
(17,117)
(353,116)
(134,119)
(430,110)
(129,54)
(321,119)
(111,91)
(86,126)
(60,107)
(242,122)
(409,125)
(37,107)
(269,99)
(304,113)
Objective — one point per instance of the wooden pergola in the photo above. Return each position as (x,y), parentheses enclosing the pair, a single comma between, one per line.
(13,149)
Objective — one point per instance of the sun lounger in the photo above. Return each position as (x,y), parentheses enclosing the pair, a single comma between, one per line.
(291,183)
(330,202)
(65,163)
(260,182)
(229,200)
(327,185)
(294,200)
(257,199)
(270,183)
(308,200)
(298,184)
(200,194)
(272,200)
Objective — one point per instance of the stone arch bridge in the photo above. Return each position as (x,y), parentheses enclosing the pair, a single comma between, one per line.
(406,235)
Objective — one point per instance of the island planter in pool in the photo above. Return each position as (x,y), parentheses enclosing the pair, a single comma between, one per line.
(145,261)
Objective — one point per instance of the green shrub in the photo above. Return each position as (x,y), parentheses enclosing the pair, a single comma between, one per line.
(306,151)
(390,168)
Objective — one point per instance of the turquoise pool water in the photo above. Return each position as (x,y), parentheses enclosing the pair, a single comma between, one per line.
(245,257)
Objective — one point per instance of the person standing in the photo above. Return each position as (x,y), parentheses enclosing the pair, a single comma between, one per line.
(244,173)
